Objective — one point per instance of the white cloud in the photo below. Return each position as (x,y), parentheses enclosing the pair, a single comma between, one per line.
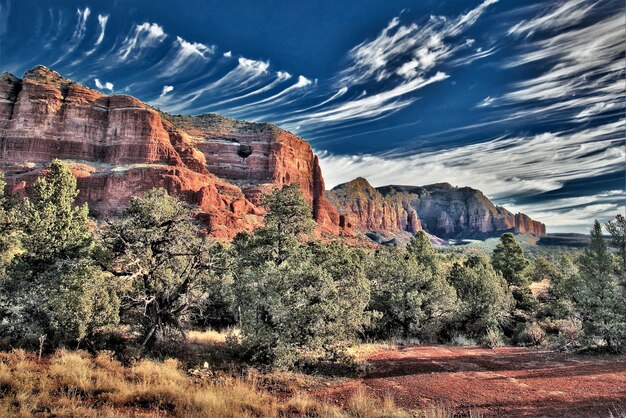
(102,21)
(228,54)
(408,50)
(145,35)
(574,214)
(166,89)
(585,75)
(254,66)
(559,16)
(102,24)
(79,32)
(186,54)
(502,168)
(103,86)
(369,106)
(486,102)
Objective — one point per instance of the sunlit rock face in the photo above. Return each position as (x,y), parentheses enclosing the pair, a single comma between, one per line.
(440,209)
(119,147)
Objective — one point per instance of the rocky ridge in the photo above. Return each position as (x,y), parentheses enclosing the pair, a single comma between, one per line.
(119,147)
(439,209)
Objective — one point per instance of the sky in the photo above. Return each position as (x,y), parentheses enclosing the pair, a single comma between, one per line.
(522,100)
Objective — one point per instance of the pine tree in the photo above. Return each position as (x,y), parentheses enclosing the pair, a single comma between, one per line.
(598,296)
(508,258)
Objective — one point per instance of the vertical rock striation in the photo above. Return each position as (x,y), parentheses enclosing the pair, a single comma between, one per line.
(440,209)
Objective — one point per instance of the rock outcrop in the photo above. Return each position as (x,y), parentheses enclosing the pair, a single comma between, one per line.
(439,209)
(365,209)
(119,147)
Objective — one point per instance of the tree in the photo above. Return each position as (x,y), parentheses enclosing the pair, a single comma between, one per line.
(598,296)
(508,258)
(485,300)
(155,248)
(617,229)
(53,288)
(289,218)
(296,299)
(423,251)
(409,297)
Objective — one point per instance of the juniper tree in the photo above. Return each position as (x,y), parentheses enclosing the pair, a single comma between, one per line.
(296,298)
(155,248)
(410,298)
(53,287)
(485,301)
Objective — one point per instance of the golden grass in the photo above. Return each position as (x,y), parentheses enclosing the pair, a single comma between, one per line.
(360,352)
(209,336)
(75,384)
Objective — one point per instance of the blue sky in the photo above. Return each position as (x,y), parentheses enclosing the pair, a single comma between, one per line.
(522,100)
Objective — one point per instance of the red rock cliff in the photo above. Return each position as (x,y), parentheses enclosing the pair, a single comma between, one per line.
(439,209)
(120,146)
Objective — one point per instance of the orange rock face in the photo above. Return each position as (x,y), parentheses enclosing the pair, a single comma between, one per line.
(439,209)
(120,147)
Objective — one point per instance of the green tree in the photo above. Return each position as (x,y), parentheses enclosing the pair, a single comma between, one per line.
(598,294)
(289,218)
(617,229)
(53,288)
(155,248)
(409,296)
(485,300)
(295,299)
(423,251)
(508,258)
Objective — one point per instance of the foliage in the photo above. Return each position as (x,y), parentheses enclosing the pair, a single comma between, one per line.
(598,295)
(52,287)
(508,258)
(409,295)
(157,251)
(296,298)
(485,300)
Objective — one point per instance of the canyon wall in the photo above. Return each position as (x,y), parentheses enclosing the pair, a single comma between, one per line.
(118,147)
(439,209)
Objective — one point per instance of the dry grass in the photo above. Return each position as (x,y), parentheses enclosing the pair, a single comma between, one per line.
(209,336)
(75,384)
(360,352)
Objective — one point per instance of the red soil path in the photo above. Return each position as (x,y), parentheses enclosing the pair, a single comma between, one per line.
(510,381)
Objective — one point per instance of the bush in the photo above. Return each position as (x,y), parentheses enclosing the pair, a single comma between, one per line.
(532,334)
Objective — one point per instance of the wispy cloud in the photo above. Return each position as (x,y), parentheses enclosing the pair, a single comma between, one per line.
(186,53)
(408,50)
(143,36)
(102,23)
(560,15)
(502,168)
(574,213)
(585,75)
(369,106)
(166,90)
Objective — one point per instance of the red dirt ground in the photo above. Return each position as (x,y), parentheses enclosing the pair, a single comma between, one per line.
(510,381)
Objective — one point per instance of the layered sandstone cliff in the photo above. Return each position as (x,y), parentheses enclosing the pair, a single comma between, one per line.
(440,209)
(119,147)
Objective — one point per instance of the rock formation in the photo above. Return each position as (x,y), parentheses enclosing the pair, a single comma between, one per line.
(440,209)
(119,147)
